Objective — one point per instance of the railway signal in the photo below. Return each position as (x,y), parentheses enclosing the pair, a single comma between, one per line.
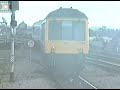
(8,6)
(5,7)
(14,5)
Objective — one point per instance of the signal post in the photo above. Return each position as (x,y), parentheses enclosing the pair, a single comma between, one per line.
(14,5)
(6,7)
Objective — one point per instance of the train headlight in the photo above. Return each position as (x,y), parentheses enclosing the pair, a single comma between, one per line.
(52,49)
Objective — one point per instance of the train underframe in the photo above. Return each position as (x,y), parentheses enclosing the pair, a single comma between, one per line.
(64,64)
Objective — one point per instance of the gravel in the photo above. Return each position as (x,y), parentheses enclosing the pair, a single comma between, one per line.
(101,78)
(27,74)
(32,75)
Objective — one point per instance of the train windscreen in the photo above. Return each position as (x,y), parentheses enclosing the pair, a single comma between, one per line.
(66,30)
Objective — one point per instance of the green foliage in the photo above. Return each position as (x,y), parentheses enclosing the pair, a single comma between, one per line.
(103,31)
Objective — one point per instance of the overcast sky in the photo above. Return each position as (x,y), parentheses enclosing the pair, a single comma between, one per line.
(99,13)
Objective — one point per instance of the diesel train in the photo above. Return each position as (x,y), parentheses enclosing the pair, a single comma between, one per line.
(64,40)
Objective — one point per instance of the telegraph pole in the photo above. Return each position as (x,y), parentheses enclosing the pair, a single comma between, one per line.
(14,6)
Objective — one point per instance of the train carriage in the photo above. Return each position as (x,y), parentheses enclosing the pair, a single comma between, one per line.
(64,38)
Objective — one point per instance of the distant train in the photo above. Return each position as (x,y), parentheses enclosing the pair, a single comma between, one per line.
(64,39)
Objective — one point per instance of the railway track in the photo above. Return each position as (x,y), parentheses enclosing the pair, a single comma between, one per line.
(104,59)
(110,59)
(79,81)
(111,54)
(107,56)
(107,62)
(89,84)
(75,82)
(98,61)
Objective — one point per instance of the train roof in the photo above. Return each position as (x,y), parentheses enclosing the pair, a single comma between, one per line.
(66,12)
(37,23)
